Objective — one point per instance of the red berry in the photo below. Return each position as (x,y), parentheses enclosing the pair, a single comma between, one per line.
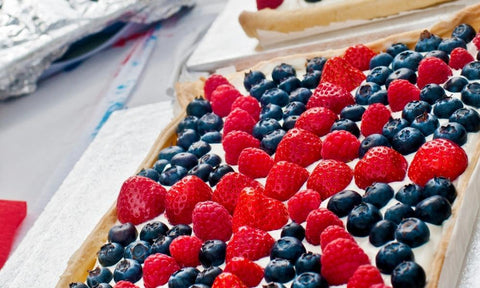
(140,199)
(340,145)
(433,70)
(331,233)
(254,162)
(256,210)
(317,120)
(185,249)
(157,269)
(435,158)
(380,164)
(234,143)
(249,104)
(228,280)
(211,221)
(302,203)
(380,285)
(340,259)
(248,271)
(300,147)
(339,72)
(222,99)
(476,41)
(125,284)
(317,221)
(374,118)
(330,96)
(329,177)
(182,198)
(364,277)
(400,92)
(239,120)
(284,180)
(459,57)
(251,243)
(229,187)
(359,56)
(212,82)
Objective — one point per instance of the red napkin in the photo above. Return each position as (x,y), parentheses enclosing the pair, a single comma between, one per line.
(12,214)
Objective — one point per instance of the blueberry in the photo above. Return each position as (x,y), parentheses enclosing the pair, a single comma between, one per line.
(415,108)
(445,107)
(434,209)
(251,78)
(408,274)
(378,194)
(365,91)
(263,127)
(209,122)
(212,137)
(379,75)
(343,202)
(347,125)
(407,59)
(392,254)
(202,171)
(187,137)
(381,59)
(287,247)
(169,152)
(452,131)
(153,230)
(309,280)
(103,285)
(409,194)
(381,96)
(431,93)
(258,89)
(283,71)
(294,230)
(289,122)
(396,48)
(208,275)
(99,275)
(471,70)
(179,230)
(371,141)
(449,44)
(311,79)
(442,55)
(109,254)
(189,122)
(138,250)
(427,123)
(471,94)
(408,140)
(211,159)
(273,285)
(279,270)
(300,95)
(382,232)
(186,160)
(352,112)
(270,142)
(290,84)
(294,109)
(362,218)
(464,32)
(274,96)
(198,107)
(398,212)
(413,232)
(427,42)
(128,270)
(455,84)
(160,165)
(212,253)
(271,111)
(218,173)
(393,126)
(77,285)
(199,148)
(172,175)
(149,173)
(123,234)
(401,73)
(308,262)
(161,245)
(315,64)
(441,186)
(183,278)
(467,117)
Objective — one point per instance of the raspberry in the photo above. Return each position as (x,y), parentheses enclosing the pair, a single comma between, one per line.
(182,198)
(249,104)
(340,259)
(185,249)
(125,284)
(437,158)
(235,142)
(250,243)
(374,118)
(433,70)
(317,120)
(359,56)
(212,82)
(340,145)
(459,57)
(400,92)
(364,277)
(211,221)
(228,280)
(380,164)
(239,120)
(140,199)
(300,205)
(330,96)
(381,285)
(300,147)
(229,187)
(284,180)
(157,269)
(329,177)
(476,41)
(256,210)
(317,221)
(254,162)
(332,233)
(222,99)
(339,72)
(248,271)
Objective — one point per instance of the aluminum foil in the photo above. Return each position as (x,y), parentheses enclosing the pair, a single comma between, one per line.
(35,33)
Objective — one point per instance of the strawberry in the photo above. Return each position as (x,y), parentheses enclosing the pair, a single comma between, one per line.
(228,280)
(330,96)
(249,104)
(182,198)
(302,203)
(437,158)
(157,269)
(229,187)
(459,57)
(364,277)
(12,214)
(240,120)
(300,147)
(329,177)
(317,120)
(256,210)
(251,243)
(476,41)
(140,199)
(235,142)
(331,233)
(339,72)
(400,92)
(254,162)
(359,56)
(284,180)
(222,98)
(380,164)
(212,82)
(126,284)
(374,118)
(340,145)
(248,271)
(211,221)
(433,70)
(185,249)
(317,221)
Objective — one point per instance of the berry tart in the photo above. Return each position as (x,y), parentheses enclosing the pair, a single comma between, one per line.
(355,175)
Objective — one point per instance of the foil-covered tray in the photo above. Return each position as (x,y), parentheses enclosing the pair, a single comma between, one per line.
(35,33)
